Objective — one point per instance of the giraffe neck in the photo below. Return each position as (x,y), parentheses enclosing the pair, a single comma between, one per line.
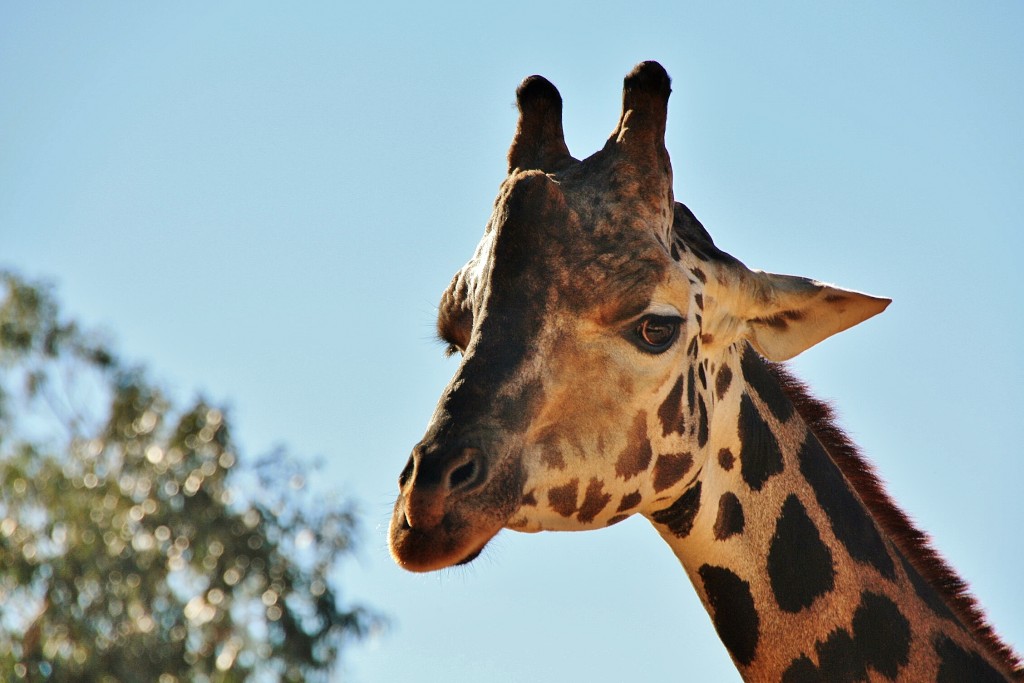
(802,578)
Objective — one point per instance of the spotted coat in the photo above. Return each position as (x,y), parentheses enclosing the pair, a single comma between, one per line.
(616,362)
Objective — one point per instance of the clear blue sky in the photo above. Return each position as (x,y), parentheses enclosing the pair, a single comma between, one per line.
(264,203)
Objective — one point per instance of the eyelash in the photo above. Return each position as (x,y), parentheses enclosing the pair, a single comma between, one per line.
(665,327)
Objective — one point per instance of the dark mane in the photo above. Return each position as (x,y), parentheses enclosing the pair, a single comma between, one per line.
(914,543)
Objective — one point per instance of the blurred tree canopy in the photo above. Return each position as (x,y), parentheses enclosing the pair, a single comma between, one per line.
(133,546)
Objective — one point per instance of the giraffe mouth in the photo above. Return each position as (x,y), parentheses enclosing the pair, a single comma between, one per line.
(455,537)
(439,524)
(425,550)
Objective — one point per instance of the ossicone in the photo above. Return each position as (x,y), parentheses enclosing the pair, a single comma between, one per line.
(645,93)
(539,142)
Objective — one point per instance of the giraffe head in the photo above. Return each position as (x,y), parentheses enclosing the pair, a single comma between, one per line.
(589,320)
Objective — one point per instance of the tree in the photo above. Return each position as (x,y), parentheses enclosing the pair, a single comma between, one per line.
(133,545)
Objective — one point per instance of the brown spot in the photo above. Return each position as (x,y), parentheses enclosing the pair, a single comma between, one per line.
(792,315)
(563,498)
(833,298)
(594,500)
(706,338)
(529,499)
(730,516)
(671,410)
(699,274)
(679,516)
(629,501)
(726,459)
(552,458)
(760,454)
(616,519)
(702,422)
(670,468)
(691,389)
(722,381)
(699,300)
(636,456)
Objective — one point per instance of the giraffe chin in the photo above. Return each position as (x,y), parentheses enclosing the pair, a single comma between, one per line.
(446,545)
(469,558)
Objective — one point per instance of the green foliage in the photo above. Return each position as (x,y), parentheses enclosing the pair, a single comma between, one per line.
(132,546)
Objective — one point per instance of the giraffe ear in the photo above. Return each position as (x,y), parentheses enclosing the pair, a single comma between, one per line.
(784,315)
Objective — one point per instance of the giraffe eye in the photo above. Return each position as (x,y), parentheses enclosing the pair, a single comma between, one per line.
(655,333)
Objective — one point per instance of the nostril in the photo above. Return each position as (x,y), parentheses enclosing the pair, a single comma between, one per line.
(462,474)
(466,471)
(406,474)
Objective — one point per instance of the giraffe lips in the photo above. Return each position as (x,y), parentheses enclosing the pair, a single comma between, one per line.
(454,540)
(420,551)
(435,526)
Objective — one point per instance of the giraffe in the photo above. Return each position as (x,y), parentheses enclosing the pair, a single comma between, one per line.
(615,361)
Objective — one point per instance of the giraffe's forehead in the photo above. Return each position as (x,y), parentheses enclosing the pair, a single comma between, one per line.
(557,240)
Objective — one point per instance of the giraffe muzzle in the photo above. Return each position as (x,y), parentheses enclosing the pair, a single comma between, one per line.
(452,502)
(432,482)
